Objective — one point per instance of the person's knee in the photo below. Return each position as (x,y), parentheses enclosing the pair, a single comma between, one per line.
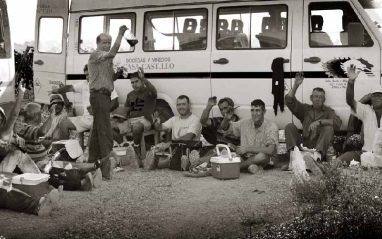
(261,159)
(138,127)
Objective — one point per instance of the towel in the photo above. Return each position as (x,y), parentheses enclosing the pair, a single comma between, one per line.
(278,83)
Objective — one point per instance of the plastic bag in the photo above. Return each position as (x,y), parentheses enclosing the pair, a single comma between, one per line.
(368,160)
(298,165)
(377,149)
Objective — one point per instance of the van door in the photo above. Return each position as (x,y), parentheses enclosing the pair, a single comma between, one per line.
(334,37)
(247,37)
(50,47)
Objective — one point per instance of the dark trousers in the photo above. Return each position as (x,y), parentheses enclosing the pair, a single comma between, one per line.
(70,179)
(101,139)
(18,201)
(321,142)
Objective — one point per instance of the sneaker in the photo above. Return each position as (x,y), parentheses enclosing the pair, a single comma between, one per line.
(138,156)
(150,161)
(107,166)
(87,183)
(254,169)
(185,163)
(194,157)
(97,178)
(311,164)
(47,203)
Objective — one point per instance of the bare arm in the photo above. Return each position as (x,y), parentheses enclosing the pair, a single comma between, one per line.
(63,89)
(350,88)
(188,136)
(204,119)
(114,50)
(297,82)
(114,104)
(7,130)
(150,87)
(46,125)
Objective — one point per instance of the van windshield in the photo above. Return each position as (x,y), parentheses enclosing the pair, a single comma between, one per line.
(374,9)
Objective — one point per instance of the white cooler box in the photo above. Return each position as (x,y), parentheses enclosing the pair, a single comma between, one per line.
(35,185)
(225,167)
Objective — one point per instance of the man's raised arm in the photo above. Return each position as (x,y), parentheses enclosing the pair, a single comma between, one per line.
(114,49)
(352,75)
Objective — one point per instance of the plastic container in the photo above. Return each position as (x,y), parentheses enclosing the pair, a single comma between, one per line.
(35,185)
(225,167)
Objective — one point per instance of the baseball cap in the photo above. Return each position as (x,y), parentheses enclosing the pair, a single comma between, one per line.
(376,89)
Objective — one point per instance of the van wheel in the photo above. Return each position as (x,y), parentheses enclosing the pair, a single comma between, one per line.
(165,112)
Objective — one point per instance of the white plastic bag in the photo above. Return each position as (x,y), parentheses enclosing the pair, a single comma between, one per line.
(368,160)
(298,165)
(377,148)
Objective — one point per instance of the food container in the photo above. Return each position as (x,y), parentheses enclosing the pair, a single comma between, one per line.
(35,185)
(225,166)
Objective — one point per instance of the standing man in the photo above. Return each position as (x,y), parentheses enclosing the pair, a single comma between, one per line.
(101,84)
(318,121)
(140,105)
(258,137)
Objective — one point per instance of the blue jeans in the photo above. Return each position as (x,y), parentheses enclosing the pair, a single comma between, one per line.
(18,201)
(101,139)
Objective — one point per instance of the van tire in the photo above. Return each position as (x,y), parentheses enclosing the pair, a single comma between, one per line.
(165,112)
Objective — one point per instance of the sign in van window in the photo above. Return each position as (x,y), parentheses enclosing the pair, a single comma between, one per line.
(50,35)
(252,27)
(335,24)
(92,26)
(180,30)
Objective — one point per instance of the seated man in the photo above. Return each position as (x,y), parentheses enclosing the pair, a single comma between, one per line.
(186,126)
(53,133)
(369,115)
(259,137)
(84,122)
(11,146)
(140,105)
(16,200)
(318,121)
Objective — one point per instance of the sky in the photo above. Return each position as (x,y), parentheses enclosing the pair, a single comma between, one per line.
(22,14)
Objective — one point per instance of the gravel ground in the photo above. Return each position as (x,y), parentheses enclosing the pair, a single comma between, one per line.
(161,204)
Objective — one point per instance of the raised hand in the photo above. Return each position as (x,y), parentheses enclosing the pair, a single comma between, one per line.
(141,73)
(122,29)
(229,113)
(212,101)
(22,87)
(155,117)
(299,78)
(352,74)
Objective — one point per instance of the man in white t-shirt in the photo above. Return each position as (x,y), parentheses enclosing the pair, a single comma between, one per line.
(185,126)
(83,122)
(369,115)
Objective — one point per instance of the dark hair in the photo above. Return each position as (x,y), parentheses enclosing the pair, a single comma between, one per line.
(228,100)
(134,74)
(319,89)
(258,102)
(98,39)
(86,68)
(182,97)
(22,113)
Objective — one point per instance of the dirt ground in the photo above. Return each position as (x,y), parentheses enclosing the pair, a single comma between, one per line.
(161,204)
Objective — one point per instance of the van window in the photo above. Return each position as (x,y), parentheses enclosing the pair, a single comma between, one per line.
(334,24)
(5,45)
(50,35)
(182,30)
(92,26)
(252,27)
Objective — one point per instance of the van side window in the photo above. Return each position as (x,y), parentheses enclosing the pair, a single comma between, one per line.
(334,24)
(92,26)
(252,27)
(50,35)
(183,30)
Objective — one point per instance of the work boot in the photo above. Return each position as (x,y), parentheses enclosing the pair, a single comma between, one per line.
(107,165)
(97,178)
(87,183)
(47,203)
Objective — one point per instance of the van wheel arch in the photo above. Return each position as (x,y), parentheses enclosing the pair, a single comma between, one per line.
(164,110)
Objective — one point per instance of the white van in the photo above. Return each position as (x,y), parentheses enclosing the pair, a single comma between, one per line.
(204,48)
(7,63)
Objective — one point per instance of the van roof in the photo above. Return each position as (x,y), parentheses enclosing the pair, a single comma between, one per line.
(98,5)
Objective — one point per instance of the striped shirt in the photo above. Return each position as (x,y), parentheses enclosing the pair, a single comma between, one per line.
(101,72)
(33,145)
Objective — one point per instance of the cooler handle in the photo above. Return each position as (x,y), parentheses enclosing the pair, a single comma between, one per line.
(226,147)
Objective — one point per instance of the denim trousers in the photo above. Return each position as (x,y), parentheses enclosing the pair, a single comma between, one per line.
(101,139)
(18,201)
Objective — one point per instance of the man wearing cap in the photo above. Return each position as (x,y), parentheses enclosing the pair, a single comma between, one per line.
(140,105)
(318,121)
(101,84)
(369,115)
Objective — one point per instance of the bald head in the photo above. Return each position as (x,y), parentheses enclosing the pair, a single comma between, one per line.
(104,42)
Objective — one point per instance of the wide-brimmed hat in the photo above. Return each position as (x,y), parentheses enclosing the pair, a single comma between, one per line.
(56,99)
